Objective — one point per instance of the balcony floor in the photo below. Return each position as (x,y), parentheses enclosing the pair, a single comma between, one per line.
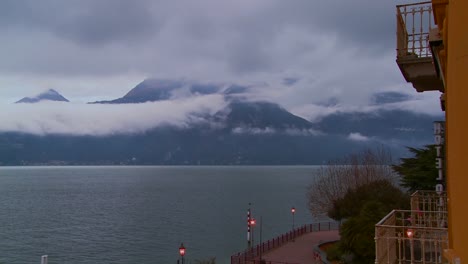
(421,73)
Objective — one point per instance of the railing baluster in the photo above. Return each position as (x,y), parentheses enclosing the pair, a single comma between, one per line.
(413,30)
(421,29)
(413,39)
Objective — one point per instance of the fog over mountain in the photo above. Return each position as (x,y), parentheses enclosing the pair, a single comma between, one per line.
(95,119)
(156,102)
(227,82)
(183,122)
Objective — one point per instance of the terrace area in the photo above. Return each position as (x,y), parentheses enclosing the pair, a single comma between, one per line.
(414,236)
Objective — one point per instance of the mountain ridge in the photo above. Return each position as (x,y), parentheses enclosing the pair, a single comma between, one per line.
(245,132)
(49,95)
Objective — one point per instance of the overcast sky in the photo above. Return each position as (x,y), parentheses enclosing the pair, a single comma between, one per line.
(305,52)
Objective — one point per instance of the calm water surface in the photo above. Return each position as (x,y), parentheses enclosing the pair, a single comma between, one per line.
(142,214)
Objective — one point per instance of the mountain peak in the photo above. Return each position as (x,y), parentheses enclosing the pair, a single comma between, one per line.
(51,91)
(49,95)
(152,90)
(261,114)
(149,90)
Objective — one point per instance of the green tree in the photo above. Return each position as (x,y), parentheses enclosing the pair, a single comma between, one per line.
(418,172)
(357,234)
(363,207)
(355,199)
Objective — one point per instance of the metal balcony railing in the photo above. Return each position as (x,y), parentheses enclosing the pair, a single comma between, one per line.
(411,237)
(414,22)
(429,201)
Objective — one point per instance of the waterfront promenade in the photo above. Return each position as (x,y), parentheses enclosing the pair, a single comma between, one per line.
(301,250)
(294,247)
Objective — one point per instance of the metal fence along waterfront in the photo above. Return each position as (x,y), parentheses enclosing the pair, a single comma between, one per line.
(253,255)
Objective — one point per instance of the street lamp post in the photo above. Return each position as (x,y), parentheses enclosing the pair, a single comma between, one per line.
(182,252)
(248,228)
(44,259)
(293,211)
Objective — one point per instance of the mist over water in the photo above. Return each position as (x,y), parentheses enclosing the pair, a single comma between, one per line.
(142,214)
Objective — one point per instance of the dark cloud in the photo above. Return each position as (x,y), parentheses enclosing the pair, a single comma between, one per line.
(364,24)
(111,20)
(290,81)
(247,57)
(305,51)
(389,97)
(243,36)
(84,21)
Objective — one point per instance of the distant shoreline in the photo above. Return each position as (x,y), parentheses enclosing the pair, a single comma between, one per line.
(134,166)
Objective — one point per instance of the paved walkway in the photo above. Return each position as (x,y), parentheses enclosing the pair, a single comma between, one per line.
(301,251)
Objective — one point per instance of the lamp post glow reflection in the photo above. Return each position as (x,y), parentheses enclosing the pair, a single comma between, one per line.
(410,234)
(252,225)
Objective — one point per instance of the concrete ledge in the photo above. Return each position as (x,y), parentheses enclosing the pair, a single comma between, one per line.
(320,255)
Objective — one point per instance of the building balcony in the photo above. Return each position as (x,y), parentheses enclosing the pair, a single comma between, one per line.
(414,54)
(429,201)
(411,236)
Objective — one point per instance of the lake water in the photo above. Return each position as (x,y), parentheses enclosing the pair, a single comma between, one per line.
(142,214)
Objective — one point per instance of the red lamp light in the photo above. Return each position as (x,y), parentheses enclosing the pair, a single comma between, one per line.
(182,249)
(253,222)
(410,233)
(293,210)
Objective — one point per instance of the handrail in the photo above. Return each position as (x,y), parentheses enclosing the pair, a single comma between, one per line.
(253,254)
(414,22)
(411,236)
(414,218)
(415,4)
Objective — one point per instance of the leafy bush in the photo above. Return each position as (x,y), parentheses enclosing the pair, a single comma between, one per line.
(363,207)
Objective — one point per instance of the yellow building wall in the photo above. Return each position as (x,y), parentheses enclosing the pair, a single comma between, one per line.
(457,125)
